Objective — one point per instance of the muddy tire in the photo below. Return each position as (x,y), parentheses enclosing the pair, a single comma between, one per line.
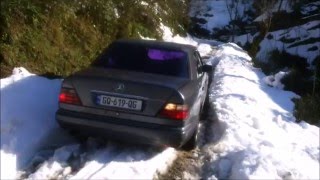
(191,143)
(78,135)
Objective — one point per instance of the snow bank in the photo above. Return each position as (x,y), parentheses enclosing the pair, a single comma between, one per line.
(112,161)
(132,163)
(299,35)
(28,105)
(260,138)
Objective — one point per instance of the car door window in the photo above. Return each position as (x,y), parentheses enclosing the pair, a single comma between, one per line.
(199,63)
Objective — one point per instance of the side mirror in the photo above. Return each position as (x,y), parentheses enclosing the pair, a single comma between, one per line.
(207,68)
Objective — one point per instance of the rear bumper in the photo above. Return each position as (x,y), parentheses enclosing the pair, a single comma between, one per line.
(122,129)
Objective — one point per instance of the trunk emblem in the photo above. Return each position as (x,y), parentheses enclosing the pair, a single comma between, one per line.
(120,87)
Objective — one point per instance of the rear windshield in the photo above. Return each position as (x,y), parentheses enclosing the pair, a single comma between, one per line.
(145,59)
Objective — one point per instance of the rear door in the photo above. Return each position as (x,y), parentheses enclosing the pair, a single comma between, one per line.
(202,78)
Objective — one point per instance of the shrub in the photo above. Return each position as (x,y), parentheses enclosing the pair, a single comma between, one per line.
(308,109)
(313,48)
(60,37)
(255,46)
(279,60)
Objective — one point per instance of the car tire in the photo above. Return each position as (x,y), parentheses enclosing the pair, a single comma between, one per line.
(191,143)
(78,135)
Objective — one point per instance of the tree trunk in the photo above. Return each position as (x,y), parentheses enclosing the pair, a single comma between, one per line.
(280,4)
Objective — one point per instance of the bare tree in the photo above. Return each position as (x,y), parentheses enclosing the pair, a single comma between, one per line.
(280,4)
(266,8)
(233,11)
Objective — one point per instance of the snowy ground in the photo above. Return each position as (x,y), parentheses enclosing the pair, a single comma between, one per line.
(28,105)
(259,136)
(293,41)
(255,135)
(30,135)
(301,40)
(216,14)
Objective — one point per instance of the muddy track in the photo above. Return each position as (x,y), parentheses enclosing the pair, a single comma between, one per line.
(183,167)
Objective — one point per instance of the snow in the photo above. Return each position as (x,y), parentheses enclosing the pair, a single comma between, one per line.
(28,105)
(254,134)
(299,33)
(215,13)
(218,8)
(285,6)
(260,139)
(275,80)
(140,165)
(243,39)
(306,9)
(110,162)
(50,169)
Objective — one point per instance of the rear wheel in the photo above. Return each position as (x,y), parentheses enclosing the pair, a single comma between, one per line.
(191,143)
(78,135)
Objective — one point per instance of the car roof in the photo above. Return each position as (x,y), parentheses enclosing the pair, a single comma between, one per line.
(157,44)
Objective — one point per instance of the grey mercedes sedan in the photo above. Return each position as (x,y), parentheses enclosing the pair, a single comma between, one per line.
(140,91)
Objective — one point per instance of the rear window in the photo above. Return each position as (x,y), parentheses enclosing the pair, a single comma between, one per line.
(145,59)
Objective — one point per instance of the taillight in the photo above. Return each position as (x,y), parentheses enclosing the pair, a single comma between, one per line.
(175,111)
(69,96)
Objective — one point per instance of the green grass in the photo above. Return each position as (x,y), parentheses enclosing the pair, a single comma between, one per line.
(60,37)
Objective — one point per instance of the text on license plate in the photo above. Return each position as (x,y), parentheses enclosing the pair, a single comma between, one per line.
(125,103)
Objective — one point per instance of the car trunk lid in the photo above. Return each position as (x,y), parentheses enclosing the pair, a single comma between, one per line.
(149,92)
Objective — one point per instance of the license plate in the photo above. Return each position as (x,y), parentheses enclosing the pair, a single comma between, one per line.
(119,102)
